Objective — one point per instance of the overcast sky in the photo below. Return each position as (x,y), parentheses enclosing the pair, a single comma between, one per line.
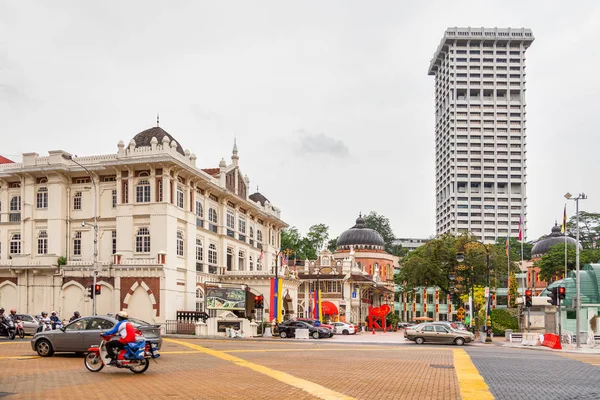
(330,100)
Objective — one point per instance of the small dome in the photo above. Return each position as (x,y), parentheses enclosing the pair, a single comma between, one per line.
(555,237)
(359,235)
(144,138)
(258,198)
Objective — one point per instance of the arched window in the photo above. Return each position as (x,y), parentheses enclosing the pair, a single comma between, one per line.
(142,191)
(212,254)
(180,196)
(77,201)
(212,215)
(199,250)
(15,203)
(241,261)
(180,243)
(77,244)
(142,241)
(199,300)
(42,247)
(15,244)
(42,197)
(199,209)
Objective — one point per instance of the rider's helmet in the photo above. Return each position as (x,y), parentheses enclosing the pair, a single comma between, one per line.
(121,315)
(1,310)
(44,313)
(13,311)
(76,313)
(53,312)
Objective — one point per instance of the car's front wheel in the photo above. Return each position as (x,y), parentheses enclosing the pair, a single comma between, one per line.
(459,341)
(345,332)
(315,335)
(283,334)
(419,340)
(44,348)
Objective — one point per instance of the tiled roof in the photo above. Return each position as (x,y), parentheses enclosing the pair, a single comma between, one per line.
(211,171)
(4,160)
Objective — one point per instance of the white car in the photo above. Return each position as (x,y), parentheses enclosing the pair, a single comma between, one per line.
(344,328)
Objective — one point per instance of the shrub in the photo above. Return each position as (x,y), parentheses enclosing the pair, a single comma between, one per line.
(503,319)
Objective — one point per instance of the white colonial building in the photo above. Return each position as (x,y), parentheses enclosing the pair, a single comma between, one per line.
(165,229)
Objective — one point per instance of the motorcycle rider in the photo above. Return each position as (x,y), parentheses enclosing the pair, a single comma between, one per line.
(3,319)
(54,318)
(75,316)
(43,321)
(126,333)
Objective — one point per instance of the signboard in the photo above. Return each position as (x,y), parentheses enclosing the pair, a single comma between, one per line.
(226,299)
(353,295)
(223,325)
(487,292)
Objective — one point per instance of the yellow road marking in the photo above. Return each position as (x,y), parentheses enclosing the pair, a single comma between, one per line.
(19,342)
(471,383)
(5,357)
(309,387)
(318,349)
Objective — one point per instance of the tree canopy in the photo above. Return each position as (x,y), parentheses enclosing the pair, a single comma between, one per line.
(382,225)
(434,262)
(589,229)
(552,264)
(306,247)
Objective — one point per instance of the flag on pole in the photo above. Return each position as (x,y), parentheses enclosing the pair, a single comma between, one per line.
(262,253)
(563,228)
(520,227)
(507,245)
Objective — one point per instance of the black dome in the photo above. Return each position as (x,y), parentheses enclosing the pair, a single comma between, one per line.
(143,138)
(258,197)
(556,237)
(360,236)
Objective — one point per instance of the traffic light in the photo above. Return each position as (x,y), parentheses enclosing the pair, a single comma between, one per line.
(256,302)
(562,293)
(553,296)
(90,291)
(259,302)
(98,289)
(528,300)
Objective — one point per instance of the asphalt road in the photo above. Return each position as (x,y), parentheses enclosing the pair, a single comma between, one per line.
(238,369)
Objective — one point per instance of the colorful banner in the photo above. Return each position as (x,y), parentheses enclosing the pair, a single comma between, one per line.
(318,314)
(276,292)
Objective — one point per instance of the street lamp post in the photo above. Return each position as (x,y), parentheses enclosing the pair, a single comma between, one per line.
(581,196)
(460,257)
(94,226)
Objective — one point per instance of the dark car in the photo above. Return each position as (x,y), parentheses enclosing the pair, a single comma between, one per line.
(288,329)
(313,322)
(81,334)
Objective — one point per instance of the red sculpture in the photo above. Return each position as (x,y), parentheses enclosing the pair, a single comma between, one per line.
(377,317)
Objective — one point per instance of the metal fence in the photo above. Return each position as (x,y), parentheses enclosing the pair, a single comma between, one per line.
(181,327)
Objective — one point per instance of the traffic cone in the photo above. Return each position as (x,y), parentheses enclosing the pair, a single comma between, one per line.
(373,331)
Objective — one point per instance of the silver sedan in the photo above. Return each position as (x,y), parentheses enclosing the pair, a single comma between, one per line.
(81,334)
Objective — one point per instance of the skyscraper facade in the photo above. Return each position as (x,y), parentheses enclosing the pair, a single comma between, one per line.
(480,132)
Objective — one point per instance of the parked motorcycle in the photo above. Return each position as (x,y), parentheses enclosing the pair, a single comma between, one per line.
(136,356)
(8,329)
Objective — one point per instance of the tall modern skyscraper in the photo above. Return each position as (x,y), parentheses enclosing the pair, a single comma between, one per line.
(480,134)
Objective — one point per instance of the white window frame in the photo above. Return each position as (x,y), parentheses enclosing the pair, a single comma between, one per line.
(212,216)
(142,240)
(213,255)
(42,198)
(114,198)
(199,250)
(15,243)
(77,244)
(230,220)
(199,209)
(77,201)
(42,245)
(142,191)
(242,225)
(180,197)
(180,246)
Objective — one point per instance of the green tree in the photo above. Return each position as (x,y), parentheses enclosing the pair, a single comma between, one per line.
(552,264)
(382,225)
(589,229)
(314,241)
(332,245)
(291,239)
(478,299)
(513,291)
(515,248)
(432,263)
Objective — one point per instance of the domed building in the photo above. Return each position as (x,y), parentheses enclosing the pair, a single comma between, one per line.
(542,247)
(359,274)
(555,237)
